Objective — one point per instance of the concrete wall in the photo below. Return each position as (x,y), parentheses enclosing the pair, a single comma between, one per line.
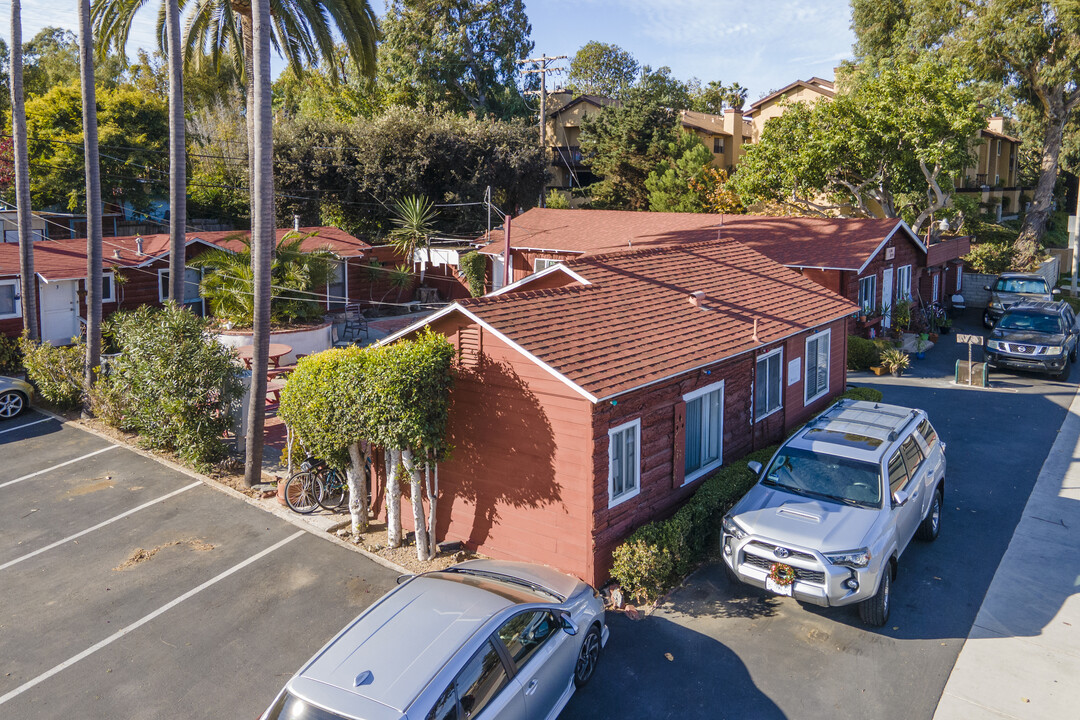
(976,296)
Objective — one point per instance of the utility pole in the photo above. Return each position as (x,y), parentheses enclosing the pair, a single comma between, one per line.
(543,71)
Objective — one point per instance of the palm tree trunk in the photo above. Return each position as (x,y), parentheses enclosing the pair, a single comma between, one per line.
(177,158)
(262,235)
(93,197)
(247,34)
(22,178)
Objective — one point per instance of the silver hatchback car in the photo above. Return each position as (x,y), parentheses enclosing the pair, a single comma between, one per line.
(484,639)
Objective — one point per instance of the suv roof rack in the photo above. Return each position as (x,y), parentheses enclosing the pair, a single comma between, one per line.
(834,416)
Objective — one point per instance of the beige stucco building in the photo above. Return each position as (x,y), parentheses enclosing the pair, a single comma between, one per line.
(770,106)
(994,177)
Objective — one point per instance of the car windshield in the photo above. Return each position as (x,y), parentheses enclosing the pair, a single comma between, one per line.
(1029,322)
(828,477)
(290,707)
(1022,285)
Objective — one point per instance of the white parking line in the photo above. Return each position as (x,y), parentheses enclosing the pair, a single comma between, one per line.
(111,520)
(55,467)
(25,426)
(145,619)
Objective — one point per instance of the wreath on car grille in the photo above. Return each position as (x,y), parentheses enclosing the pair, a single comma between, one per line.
(782,574)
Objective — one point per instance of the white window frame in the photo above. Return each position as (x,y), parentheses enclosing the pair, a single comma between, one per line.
(18,300)
(341,263)
(873,293)
(547,262)
(107,278)
(959,278)
(903,286)
(935,289)
(757,379)
(827,334)
(999,148)
(634,425)
(694,395)
(162,296)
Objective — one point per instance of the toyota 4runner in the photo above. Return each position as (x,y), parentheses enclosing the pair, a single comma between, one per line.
(837,506)
(1011,288)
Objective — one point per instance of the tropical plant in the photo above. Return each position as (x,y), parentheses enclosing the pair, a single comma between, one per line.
(895,360)
(297,279)
(27,279)
(414,225)
(172,383)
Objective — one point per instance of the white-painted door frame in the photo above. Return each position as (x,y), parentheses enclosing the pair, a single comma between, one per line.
(58,301)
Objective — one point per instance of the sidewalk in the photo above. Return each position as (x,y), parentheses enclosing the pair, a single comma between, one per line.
(1022,656)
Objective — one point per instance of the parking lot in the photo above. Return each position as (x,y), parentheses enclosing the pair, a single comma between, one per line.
(739,652)
(132,590)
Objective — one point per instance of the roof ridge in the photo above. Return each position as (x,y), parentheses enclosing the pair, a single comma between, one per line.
(662,249)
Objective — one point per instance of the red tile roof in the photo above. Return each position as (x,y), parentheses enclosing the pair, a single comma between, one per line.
(66,259)
(634,324)
(838,243)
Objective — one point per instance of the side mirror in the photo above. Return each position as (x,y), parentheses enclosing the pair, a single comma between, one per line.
(986,288)
(1055,291)
(900,498)
(755,466)
(403,578)
(569,626)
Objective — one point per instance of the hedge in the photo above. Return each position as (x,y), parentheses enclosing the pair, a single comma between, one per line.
(659,554)
(862,353)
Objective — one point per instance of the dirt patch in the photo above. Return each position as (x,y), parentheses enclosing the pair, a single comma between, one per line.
(93,486)
(374,541)
(141,555)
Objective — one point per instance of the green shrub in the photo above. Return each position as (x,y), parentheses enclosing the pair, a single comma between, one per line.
(56,372)
(862,393)
(556,200)
(862,353)
(657,555)
(10,356)
(990,258)
(173,383)
(474,266)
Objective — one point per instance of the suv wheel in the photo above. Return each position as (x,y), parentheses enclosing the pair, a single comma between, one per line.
(930,527)
(875,611)
(988,322)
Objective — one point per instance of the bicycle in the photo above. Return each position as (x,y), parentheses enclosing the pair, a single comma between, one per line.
(315,485)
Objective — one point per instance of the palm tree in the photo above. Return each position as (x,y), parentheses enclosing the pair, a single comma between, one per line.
(177,154)
(22,178)
(93,196)
(414,218)
(262,232)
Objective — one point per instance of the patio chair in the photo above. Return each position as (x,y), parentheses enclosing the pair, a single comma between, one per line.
(355,324)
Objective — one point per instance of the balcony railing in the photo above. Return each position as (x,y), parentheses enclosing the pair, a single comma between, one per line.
(568,156)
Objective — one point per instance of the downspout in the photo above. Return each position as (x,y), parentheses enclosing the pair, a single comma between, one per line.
(506,251)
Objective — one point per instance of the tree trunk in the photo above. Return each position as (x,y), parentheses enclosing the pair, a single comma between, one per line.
(93,198)
(246,34)
(28,280)
(1027,244)
(417,497)
(393,499)
(939,201)
(433,501)
(262,238)
(177,157)
(357,477)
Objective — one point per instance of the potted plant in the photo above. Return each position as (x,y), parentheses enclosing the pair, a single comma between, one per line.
(895,361)
(920,345)
(945,326)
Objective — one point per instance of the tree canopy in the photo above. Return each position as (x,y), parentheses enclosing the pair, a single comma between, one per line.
(602,69)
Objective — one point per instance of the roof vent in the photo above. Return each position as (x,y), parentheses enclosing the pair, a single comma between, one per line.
(138,245)
(696,298)
(296,223)
(116,254)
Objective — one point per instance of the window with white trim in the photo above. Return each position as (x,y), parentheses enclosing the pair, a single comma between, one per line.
(936,285)
(903,283)
(704,430)
(868,293)
(10,306)
(816,380)
(192,278)
(108,288)
(624,462)
(337,294)
(544,263)
(959,277)
(768,384)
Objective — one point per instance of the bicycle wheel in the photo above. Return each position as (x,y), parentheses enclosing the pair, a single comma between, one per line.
(335,492)
(302,492)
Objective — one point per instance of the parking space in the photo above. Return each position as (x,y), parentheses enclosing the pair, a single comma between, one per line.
(721,650)
(133,590)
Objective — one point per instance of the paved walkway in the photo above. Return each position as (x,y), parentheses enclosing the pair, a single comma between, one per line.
(1022,656)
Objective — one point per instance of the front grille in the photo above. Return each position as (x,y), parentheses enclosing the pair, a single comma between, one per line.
(1021,349)
(771,549)
(810,576)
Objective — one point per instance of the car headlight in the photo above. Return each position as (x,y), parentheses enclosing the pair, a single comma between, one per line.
(996,305)
(993,344)
(850,558)
(732,528)
(1053,351)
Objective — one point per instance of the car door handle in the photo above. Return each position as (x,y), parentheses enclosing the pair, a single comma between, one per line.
(531,687)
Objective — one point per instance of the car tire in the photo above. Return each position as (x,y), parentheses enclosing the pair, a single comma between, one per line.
(12,404)
(988,322)
(930,527)
(588,655)
(875,611)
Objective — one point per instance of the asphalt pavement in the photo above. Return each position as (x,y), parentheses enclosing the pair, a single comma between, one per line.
(716,649)
(133,590)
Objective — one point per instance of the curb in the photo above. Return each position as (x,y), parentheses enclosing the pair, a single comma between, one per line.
(284,513)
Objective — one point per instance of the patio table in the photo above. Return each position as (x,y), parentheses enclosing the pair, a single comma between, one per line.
(277,351)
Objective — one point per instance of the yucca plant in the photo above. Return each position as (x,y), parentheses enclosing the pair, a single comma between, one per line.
(414,220)
(298,281)
(895,360)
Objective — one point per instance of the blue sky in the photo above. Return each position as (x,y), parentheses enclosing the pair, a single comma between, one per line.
(762,44)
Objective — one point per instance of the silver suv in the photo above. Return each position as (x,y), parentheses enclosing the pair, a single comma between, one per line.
(838,504)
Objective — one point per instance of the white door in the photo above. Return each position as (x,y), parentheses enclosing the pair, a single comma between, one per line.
(887,298)
(59,322)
